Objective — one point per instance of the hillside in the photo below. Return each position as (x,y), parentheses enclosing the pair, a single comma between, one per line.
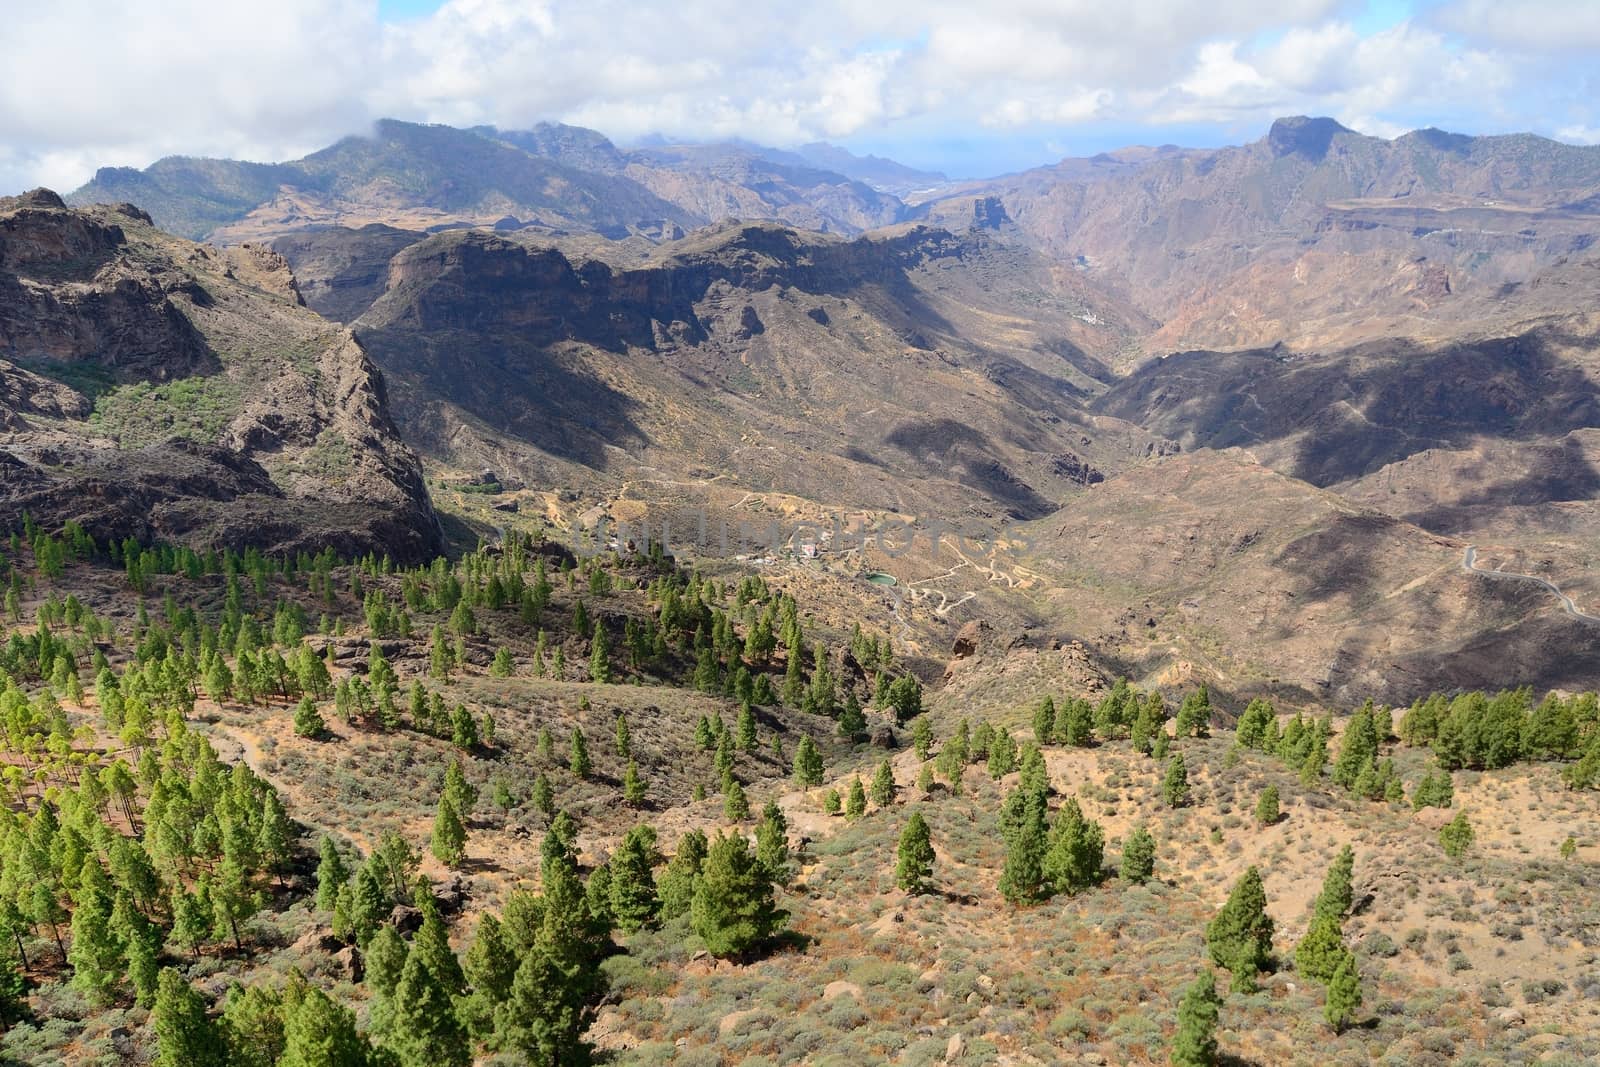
(917,370)
(1316,235)
(156,389)
(1298,594)
(423,785)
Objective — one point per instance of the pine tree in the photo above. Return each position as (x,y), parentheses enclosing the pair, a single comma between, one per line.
(599,656)
(1143,729)
(449,844)
(1358,747)
(191,917)
(676,885)
(1138,857)
(634,901)
(852,722)
(545,1014)
(1254,722)
(385,962)
(1267,811)
(1075,851)
(807,763)
(914,866)
(1194,714)
(489,968)
(855,804)
(543,797)
(794,686)
(273,836)
(735,805)
(1316,758)
(1044,722)
(624,739)
(883,787)
(141,944)
(432,944)
(1160,743)
(96,954)
(1344,994)
(1240,937)
(232,899)
(578,754)
(308,720)
(1033,775)
(1195,1044)
(1457,836)
(1022,879)
(1175,787)
(1075,723)
(1338,893)
(1319,952)
(319,1033)
(425,1030)
(922,739)
(633,787)
(597,898)
(905,697)
(252,1023)
(1434,791)
(185,1036)
(1002,755)
(502,665)
(462,794)
(1585,774)
(772,842)
(369,903)
(559,844)
(733,909)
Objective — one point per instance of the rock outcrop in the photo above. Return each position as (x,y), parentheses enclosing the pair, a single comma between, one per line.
(167,391)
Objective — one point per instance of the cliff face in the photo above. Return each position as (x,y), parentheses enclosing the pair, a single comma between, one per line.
(155,388)
(863,372)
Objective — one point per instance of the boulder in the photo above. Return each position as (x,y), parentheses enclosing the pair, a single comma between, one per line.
(1509,1017)
(348,961)
(406,919)
(970,638)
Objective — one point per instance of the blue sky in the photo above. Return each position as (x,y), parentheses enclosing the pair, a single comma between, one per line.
(944,84)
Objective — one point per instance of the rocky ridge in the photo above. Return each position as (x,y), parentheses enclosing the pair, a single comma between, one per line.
(163,390)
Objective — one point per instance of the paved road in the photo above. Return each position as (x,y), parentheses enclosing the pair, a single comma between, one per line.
(1469,563)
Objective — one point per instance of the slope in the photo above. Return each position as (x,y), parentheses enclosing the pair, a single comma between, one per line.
(162,390)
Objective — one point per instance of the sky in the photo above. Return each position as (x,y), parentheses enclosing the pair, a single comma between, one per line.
(972,89)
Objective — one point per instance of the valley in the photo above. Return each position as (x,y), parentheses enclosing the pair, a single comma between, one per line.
(493,596)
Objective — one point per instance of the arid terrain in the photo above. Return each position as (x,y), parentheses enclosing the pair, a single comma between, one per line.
(1028,587)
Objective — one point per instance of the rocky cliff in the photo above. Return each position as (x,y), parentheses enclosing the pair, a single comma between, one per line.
(913,368)
(155,388)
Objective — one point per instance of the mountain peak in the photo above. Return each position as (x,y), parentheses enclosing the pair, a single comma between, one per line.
(1304,136)
(1435,138)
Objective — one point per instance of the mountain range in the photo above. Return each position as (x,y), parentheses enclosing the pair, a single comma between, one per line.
(1125,357)
(1142,609)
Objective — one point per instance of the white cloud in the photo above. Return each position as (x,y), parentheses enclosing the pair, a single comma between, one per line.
(92,82)
(1537,26)
(1366,82)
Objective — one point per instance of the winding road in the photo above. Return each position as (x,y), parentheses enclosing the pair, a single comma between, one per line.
(1469,563)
